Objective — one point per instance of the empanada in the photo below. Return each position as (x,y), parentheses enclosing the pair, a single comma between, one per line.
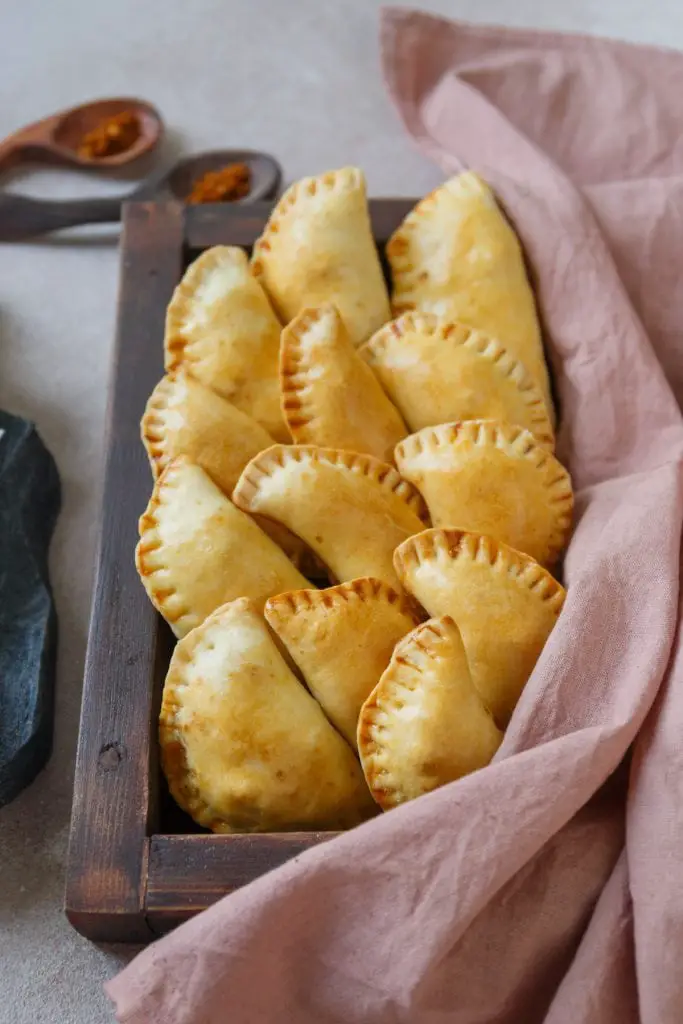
(504,603)
(457,256)
(352,510)
(330,396)
(244,747)
(341,639)
(438,371)
(491,478)
(197,550)
(425,723)
(318,247)
(183,417)
(221,329)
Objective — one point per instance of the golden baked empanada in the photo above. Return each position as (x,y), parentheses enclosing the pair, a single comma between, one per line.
(330,396)
(491,478)
(318,247)
(425,723)
(197,550)
(352,510)
(221,329)
(457,256)
(341,639)
(183,417)
(244,747)
(504,603)
(437,371)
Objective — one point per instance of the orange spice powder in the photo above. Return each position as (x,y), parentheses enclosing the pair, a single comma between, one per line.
(224,185)
(112,135)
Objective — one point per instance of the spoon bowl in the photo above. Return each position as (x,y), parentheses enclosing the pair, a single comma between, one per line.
(56,139)
(265,172)
(72,125)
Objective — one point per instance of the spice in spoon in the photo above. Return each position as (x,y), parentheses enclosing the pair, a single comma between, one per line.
(112,135)
(222,186)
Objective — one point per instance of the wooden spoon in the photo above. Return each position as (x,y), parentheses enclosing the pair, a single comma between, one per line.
(24,217)
(55,139)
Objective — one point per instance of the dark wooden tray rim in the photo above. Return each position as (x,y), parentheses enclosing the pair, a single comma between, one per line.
(137,866)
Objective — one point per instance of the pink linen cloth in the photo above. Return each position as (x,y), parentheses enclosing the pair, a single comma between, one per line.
(549,886)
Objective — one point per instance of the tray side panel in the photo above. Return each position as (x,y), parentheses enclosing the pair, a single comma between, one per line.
(115,786)
(218,224)
(186,874)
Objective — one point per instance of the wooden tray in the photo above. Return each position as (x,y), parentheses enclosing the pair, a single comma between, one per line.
(137,865)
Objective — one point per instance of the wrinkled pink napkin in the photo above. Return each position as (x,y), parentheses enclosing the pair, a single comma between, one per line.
(534,890)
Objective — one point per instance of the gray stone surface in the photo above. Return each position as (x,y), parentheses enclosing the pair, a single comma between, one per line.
(299,79)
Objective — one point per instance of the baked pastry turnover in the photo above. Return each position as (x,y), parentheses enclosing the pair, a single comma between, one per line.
(197,550)
(318,247)
(341,639)
(183,417)
(491,478)
(271,449)
(425,723)
(505,605)
(352,510)
(244,747)
(330,396)
(438,371)
(221,329)
(456,255)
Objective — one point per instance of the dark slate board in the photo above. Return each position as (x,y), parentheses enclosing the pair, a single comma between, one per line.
(29,504)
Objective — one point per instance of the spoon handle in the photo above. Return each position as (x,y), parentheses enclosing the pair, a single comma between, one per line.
(27,144)
(23,217)
(11,153)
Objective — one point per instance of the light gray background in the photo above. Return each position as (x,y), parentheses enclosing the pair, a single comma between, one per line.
(299,79)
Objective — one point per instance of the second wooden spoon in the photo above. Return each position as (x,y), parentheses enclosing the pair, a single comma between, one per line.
(24,217)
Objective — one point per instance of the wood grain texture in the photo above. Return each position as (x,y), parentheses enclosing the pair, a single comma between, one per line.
(138,865)
(113,804)
(186,874)
(214,224)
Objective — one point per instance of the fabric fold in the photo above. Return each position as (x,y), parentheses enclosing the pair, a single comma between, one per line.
(513,894)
